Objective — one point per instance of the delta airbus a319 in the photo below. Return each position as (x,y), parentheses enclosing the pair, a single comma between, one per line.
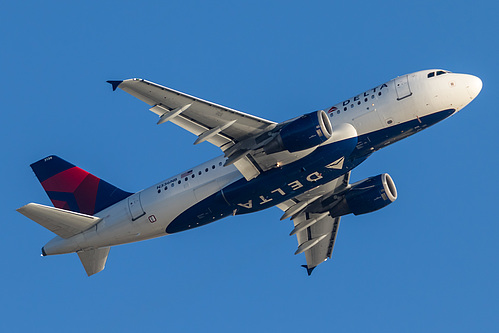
(301,165)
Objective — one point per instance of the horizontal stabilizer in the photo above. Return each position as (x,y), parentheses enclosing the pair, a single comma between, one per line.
(94,261)
(62,222)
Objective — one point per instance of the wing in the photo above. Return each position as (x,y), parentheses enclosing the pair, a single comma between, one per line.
(317,241)
(315,232)
(217,124)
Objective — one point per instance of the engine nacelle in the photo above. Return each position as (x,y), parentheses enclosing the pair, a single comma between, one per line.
(367,196)
(305,132)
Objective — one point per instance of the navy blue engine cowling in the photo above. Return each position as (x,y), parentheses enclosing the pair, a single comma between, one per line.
(367,196)
(307,131)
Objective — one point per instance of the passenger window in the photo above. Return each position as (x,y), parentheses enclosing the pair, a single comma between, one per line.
(432,74)
(213,166)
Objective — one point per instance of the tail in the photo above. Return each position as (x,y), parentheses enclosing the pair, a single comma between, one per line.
(72,188)
(94,261)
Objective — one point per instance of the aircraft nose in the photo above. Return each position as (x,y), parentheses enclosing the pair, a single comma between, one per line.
(474,86)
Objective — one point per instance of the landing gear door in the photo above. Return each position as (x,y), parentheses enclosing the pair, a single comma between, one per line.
(135,206)
(402,87)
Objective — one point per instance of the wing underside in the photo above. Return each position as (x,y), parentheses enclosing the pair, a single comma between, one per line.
(199,115)
(315,232)
(222,126)
(320,236)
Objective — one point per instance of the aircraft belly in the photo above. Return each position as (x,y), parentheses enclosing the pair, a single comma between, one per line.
(208,210)
(270,188)
(367,143)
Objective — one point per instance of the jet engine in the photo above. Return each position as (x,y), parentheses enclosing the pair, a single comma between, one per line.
(367,196)
(305,132)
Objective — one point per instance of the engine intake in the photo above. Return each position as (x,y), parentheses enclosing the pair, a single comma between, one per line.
(367,196)
(307,131)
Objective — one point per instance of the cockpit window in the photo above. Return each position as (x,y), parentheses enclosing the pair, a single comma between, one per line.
(432,74)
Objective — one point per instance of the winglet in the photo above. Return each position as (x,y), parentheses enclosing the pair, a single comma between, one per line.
(309,270)
(115,84)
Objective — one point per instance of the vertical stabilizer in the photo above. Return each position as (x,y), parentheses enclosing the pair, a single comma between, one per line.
(75,189)
(94,261)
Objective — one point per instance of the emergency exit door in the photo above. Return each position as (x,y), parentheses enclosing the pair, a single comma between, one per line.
(135,206)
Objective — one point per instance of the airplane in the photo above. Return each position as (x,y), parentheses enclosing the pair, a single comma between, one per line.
(301,165)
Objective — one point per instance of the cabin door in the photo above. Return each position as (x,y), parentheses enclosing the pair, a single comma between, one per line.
(402,87)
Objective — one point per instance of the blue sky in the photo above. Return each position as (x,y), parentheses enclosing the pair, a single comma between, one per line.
(426,263)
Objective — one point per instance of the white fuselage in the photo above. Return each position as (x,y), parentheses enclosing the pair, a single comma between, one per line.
(147,213)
